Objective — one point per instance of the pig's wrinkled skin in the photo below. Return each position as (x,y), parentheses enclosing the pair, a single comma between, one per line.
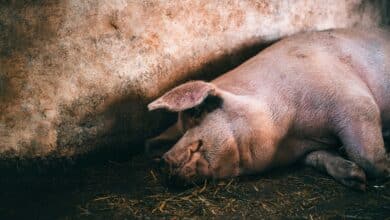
(300,99)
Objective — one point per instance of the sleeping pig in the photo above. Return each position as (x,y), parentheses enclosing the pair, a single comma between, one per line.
(301,99)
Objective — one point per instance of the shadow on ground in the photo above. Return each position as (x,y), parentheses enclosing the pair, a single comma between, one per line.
(135,189)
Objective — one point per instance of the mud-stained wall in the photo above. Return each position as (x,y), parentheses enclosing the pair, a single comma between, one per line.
(75,76)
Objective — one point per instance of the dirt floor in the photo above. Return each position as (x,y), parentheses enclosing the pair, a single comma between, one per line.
(137,189)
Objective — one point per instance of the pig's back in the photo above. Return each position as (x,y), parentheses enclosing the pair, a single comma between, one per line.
(367,54)
(318,66)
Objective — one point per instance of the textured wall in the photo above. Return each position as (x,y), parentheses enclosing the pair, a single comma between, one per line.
(76,75)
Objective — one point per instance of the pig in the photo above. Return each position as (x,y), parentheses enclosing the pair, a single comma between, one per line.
(302,99)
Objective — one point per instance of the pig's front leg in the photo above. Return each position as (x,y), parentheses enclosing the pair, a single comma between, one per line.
(157,146)
(344,171)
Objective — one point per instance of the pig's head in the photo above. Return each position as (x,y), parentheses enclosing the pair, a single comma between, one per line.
(208,147)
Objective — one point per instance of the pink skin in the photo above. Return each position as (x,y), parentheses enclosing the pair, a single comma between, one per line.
(301,98)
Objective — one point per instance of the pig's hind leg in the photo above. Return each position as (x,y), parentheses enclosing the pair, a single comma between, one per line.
(359,129)
(344,171)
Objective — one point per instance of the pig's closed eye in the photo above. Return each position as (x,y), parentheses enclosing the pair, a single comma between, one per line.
(205,153)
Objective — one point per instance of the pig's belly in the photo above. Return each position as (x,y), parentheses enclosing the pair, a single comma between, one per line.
(292,149)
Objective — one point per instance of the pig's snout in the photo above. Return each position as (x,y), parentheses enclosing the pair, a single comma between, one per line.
(171,170)
(171,161)
(181,155)
(169,164)
(185,166)
(177,167)
(167,159)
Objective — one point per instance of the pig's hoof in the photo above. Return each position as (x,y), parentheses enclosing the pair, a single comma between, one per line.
(357,181)
(348,173)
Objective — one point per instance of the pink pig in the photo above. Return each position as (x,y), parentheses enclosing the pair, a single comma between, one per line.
(300,99)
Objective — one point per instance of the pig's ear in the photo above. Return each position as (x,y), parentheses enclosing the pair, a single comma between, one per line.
(185,96)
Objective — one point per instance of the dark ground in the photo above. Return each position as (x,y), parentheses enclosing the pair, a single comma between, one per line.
(135,189)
